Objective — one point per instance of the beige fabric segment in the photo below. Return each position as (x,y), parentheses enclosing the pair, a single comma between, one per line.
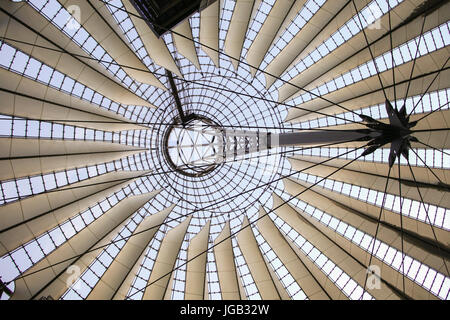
(60,285)
(346,56)
(351,258)
(301,40)
(242,289)
(414,246)
(284,295)
(122,292)
(256,263)
(267,33)
(49,209)
(288,257)
(436,139)
(425,64)
(169,290)
(63,281)
(345,59)
(332,26)
(326,244)
(83,72)
(196,267)
(94,16)
(112,279)
(374,97)
(39,102)
(26,157)
(236,31)
(331,289)
(209,31)
(226,269)
(373,176)
(156,48)
(184,41)
(412,225)
(165,262)
(81,242)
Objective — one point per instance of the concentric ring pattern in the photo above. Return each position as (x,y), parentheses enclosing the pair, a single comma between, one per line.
(91,208)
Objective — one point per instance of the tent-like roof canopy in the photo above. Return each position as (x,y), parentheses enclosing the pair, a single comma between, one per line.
(94,108)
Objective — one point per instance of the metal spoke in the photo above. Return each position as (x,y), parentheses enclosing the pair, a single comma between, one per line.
(401,225)
(376,230)
(370,50)
(438,246)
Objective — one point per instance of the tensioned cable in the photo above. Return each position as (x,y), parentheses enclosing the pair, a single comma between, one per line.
(392,55)
(249,224)
(415,58)
(401,224)
(370,50)
(426,165)
(428,88)
(376,231)
(124,238)
(429,220)
(192,212)
(431,147)
(140,176)
(188,81)
(228,56)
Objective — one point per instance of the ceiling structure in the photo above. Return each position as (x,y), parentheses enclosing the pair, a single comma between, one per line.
(140,163)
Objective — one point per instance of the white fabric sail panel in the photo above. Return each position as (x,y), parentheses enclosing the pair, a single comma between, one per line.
(25,17)
(237,30)
(196,267)
(329,248)
(301,40)
(436,139)
(284,295)
(76,68)
(288,257)
(346,13)
(165,262)
(423,229)
(375,178)
(156,47)
(416,247)
(124,290)
(25,157)
(295,9)
(242,289)
(169,290)
(332,291)
(344,58)
(256,263)
(361,258)
(421,173)
(184,41)
(56,106)
(268,32)
(226,268)
(209,31)
(59,285)
(34,215)
(32,283)
(93,19)
(418,86)
(345,53)
(64,281)
(113,278)
(366,88)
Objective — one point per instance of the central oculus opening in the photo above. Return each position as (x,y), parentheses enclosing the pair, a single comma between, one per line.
(194,148)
